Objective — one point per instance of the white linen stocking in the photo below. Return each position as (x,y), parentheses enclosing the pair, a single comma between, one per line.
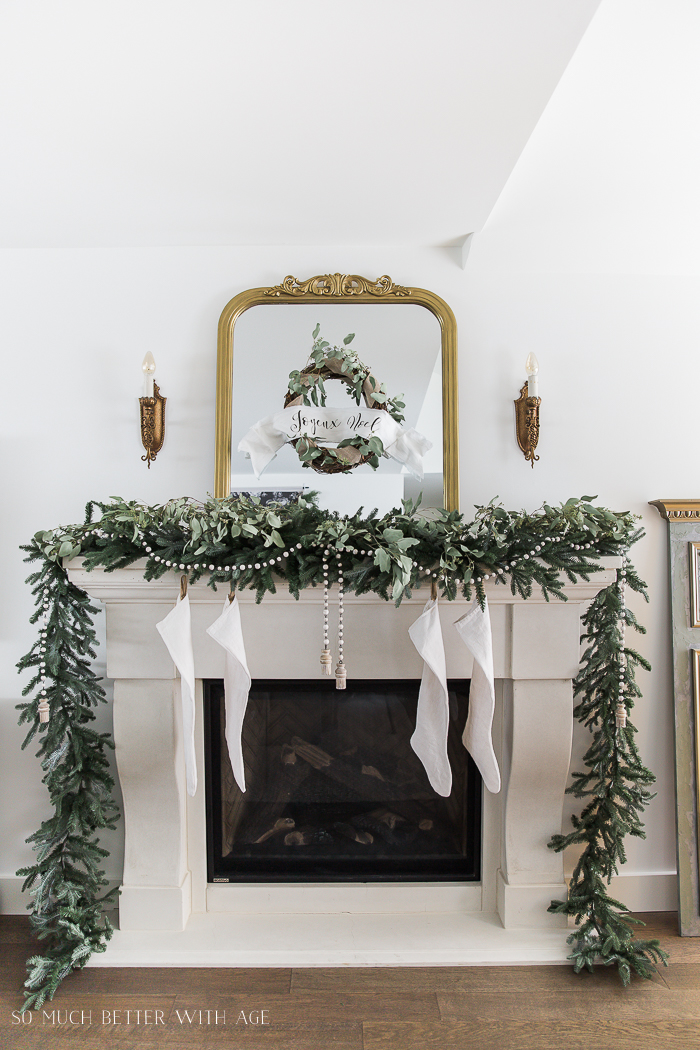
(227,632)
(176,632)
(475,631)
(429,740)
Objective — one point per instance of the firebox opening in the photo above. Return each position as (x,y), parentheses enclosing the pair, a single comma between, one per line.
(334,792)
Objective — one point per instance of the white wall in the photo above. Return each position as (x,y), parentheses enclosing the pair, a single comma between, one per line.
(585,260)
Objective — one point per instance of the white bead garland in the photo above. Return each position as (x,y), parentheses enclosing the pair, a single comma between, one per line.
(621,707)
(43,707)
(495,572)
(415,567)
(326,661)
(341,674)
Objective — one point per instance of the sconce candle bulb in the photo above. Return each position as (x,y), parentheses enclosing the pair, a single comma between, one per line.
(152,410)
(532,368)
(149,371)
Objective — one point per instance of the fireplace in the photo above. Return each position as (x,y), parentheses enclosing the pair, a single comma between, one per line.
(170,913)
(334,792)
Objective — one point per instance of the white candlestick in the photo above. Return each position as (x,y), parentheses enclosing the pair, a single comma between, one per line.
(149,370)
(532,368)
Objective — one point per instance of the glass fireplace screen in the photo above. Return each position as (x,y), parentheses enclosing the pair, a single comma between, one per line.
(334,791)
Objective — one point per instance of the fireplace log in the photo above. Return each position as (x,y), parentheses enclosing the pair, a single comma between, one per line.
(401,835)
(313,755)
(387,817)
(365,838)
(283,824)
(297,838)
(368,785)
(372,771)
(308,836)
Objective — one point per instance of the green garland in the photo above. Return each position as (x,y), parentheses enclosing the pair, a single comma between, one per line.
(254,545)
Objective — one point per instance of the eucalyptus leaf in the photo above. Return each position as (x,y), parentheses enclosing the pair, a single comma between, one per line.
(392,535)
(382,558)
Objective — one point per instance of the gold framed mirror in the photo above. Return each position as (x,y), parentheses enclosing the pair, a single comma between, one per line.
(338,290)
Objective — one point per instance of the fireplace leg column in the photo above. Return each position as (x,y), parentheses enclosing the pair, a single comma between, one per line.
(156,894)
(532,875)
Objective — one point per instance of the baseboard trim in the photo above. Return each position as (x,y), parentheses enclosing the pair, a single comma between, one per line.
(645,891)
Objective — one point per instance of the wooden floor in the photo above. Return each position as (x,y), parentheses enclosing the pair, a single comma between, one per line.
(402,1008)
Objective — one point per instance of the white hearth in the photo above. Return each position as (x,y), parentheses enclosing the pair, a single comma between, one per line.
(169,915)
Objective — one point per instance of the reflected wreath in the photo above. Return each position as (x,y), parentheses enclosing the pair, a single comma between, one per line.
(307,387)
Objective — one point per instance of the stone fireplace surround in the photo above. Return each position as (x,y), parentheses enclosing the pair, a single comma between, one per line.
(169,915)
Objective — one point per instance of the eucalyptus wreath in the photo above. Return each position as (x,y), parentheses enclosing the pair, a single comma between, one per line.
(256,546)
(307,387)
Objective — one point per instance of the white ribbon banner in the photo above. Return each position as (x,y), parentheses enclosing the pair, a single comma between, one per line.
(266,438)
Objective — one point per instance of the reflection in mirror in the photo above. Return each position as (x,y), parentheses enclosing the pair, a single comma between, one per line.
(399,343)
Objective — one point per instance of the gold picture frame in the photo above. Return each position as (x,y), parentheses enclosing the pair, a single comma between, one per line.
(338,288)
(694,583)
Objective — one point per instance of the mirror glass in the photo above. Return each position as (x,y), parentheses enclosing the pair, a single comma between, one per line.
(399,343)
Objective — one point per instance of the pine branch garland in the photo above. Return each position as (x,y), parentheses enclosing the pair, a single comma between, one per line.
(615,781)
(66,880)
(239,540)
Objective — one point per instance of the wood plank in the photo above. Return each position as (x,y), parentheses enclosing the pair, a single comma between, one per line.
(177,980)
(526,1035)
(338,1006)
(15,929)
(506,979)
(679,976)
(647,1002)
(13,971)
(125,980)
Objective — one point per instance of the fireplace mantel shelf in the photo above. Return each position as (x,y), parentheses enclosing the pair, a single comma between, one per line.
(128,585)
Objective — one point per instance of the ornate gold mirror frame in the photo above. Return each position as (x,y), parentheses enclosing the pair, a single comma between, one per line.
(338,288)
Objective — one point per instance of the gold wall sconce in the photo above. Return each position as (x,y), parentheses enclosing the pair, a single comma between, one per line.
(527,412)
(152,407)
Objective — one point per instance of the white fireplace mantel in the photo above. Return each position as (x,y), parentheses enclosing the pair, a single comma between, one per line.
(169,915)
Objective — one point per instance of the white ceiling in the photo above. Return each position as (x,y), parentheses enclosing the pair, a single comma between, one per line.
(164,122)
